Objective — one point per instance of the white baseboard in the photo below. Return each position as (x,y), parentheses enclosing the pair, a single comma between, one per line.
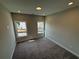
(63,46)
(13,50)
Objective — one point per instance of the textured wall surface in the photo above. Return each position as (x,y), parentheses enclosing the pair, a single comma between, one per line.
(7,38)
(63,28)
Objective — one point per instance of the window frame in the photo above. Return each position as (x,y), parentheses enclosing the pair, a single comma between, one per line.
(16,33)
(43,27)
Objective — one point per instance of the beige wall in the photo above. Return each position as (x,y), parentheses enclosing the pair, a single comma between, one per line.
(7,38)
(31,21)
(63,28)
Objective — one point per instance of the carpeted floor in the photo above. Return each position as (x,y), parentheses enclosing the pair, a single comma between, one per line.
(41,49)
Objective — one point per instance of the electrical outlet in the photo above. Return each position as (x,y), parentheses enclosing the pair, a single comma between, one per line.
(70,46)
(7,27)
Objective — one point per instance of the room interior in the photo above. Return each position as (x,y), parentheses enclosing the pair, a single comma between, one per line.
(39,29)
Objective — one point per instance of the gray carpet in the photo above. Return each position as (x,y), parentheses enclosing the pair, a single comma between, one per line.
(41,49)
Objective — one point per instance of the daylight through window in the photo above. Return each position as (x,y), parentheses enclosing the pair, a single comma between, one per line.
(21,29)
(40,27)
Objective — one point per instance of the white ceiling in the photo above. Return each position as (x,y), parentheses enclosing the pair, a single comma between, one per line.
(28,6)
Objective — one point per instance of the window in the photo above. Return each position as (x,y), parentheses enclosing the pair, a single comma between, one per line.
(40,27)
(21,29)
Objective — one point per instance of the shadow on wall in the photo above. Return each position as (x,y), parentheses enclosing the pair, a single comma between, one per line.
(63,28)
(7,38)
